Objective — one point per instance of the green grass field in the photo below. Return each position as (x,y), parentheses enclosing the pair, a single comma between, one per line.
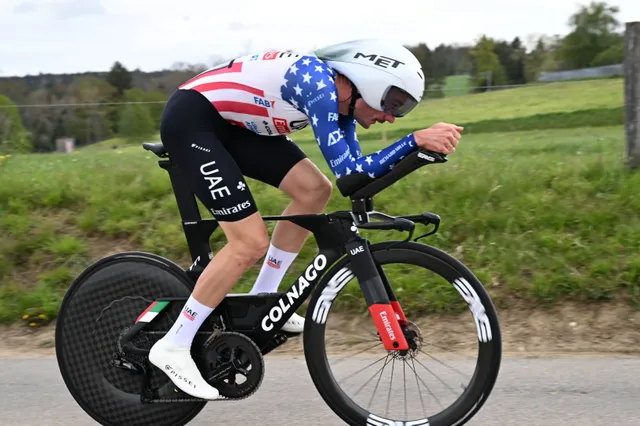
(571,104)
(539,215)
(456,85)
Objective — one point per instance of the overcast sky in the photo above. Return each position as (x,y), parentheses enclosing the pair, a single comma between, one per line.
(56,36)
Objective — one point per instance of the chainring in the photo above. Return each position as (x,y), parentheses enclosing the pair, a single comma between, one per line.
(233,364)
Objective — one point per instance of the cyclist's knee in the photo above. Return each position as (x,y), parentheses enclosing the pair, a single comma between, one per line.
(316,191)
(307,185)
(248,239)
(250,248)
(323,189)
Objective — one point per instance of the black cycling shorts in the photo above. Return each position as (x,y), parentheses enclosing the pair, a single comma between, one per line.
(215,155)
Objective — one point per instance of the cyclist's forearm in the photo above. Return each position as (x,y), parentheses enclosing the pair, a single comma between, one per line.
(380,162)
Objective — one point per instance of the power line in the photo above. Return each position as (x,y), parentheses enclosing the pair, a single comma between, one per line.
(82,104)
(443,89)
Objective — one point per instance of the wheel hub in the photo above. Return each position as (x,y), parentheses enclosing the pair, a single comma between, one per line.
(413,335)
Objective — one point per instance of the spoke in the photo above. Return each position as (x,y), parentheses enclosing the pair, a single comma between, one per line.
(425,367)
(425,385)
(377,383)
(364,368)
(361,387)
(358,353)
(386,413)
(437,360)
(424,410)
(404,368)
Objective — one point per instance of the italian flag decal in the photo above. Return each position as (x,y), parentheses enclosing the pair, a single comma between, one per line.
(152,311)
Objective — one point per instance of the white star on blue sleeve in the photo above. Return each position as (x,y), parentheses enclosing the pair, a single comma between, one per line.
(312,88)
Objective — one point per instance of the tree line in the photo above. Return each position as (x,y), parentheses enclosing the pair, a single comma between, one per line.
(135,99)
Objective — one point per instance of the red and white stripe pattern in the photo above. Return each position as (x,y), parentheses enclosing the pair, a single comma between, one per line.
(246,92)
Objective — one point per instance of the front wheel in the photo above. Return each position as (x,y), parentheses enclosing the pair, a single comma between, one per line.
(405,265)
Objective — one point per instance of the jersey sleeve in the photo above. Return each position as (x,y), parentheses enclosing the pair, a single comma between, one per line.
(310,87)
(348,127)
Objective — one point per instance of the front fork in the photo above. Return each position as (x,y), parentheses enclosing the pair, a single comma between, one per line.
(383,305)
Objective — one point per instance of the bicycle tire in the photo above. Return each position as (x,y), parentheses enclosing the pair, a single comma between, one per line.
(489,354)
(84,347)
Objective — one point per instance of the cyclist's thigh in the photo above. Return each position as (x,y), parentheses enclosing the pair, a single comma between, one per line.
(264,158)
(191,132)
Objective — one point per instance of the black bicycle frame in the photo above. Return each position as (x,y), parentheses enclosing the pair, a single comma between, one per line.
(261,317)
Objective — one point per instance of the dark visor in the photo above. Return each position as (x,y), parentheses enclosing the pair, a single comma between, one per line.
(398,102)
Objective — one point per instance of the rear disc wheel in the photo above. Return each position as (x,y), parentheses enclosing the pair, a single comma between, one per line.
(99,307)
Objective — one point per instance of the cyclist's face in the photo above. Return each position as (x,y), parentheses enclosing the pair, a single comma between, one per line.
(366,116)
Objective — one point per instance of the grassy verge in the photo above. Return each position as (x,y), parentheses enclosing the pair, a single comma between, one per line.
(456,85)
(539,216)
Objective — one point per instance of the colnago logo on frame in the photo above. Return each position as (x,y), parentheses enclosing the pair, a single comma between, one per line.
(310,275)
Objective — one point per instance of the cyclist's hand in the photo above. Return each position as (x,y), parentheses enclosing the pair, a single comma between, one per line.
(441,137)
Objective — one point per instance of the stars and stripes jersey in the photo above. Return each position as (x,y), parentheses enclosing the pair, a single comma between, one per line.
(278,93)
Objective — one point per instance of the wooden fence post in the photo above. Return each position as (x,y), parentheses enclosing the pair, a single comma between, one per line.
(632,92)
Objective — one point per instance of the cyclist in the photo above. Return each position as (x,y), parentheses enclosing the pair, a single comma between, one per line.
(231,121)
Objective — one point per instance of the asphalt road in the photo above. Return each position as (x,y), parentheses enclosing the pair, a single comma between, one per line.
(562,391)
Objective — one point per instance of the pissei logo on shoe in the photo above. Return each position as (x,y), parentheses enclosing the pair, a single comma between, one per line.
(180,377)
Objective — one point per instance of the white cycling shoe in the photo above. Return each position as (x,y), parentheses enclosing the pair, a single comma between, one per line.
(176,362)
(295,324)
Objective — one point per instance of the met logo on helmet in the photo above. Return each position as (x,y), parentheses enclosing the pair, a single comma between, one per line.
(379,60)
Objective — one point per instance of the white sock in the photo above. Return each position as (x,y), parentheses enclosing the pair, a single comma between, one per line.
(275,265)
(188,322)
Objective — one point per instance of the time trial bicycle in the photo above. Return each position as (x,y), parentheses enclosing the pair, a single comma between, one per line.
(119,306)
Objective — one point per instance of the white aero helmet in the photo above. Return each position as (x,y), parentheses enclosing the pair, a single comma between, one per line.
(388,76)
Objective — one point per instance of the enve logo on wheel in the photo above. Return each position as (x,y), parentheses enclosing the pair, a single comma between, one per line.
(329,293)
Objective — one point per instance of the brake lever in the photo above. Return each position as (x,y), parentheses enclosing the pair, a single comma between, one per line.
(425,219)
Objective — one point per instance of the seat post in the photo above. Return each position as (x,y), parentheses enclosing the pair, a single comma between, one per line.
(197,231)
(186,200)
